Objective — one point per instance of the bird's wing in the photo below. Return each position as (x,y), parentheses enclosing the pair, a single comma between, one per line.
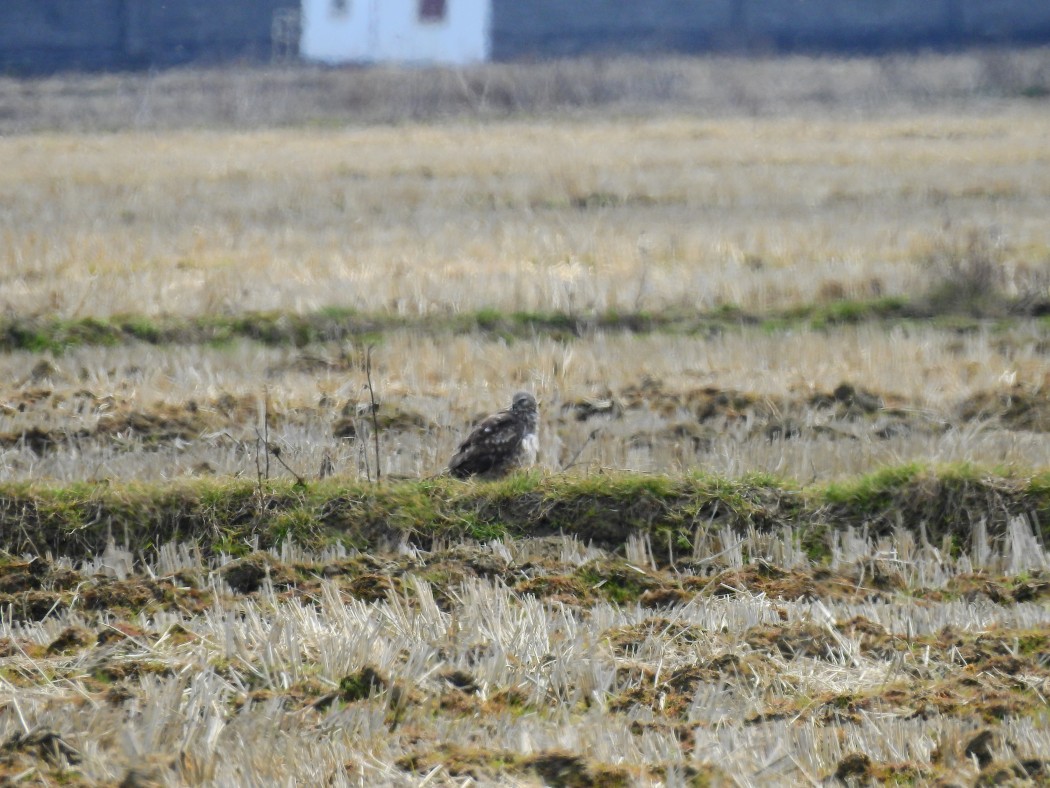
(488,443)
(499,429)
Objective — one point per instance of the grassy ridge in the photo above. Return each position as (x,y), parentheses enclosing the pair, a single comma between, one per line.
(78,520)
(335,324)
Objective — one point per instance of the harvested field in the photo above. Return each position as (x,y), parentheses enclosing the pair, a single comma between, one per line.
(582,217)
(787,323)
(534,659)
(738,400)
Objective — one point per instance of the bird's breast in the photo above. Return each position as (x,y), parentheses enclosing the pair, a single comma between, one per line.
(530,447)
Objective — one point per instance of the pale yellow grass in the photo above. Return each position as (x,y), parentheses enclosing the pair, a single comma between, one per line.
(518,215)
(210,707)
(927,367)
(451,380)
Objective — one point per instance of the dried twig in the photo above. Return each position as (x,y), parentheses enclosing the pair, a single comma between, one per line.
(259,443)
(266,427)
(362,445)
(375,408)
(275,450)
(327,465)
(572,460)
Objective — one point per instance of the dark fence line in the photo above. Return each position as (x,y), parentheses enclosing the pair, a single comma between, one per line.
(525,28)
(42,36)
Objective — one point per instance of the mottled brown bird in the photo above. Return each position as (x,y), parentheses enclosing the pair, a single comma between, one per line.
(500,442)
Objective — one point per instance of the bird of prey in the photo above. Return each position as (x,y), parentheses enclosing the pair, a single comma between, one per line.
(500,442)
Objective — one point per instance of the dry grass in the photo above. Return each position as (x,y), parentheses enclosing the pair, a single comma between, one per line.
(948,399)
(705,87)
(478,679)
(594,214)
(580,188)
(576,216)
(763,185)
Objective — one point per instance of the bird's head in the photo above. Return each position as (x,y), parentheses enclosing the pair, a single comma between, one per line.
(523,402)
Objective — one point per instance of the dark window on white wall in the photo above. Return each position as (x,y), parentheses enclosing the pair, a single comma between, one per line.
(432,10)
(339,7)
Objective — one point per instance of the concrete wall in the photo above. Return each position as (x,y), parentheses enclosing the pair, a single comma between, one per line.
(860,23)
(332,34)
(523,28)
(43,36)
(390,30)
(40,36)
(1005,19)
(539,28)
(462,37)
(181,31)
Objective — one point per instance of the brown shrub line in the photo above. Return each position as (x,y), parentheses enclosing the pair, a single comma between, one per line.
(297,95)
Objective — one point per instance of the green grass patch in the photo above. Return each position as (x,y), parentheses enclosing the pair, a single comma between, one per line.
(858,311)
(874,491)
(140,328)
(334,324)
(605,509)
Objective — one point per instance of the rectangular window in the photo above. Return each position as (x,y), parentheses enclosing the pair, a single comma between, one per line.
(432,10)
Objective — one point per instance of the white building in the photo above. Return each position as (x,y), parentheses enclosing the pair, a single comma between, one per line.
(405,31)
